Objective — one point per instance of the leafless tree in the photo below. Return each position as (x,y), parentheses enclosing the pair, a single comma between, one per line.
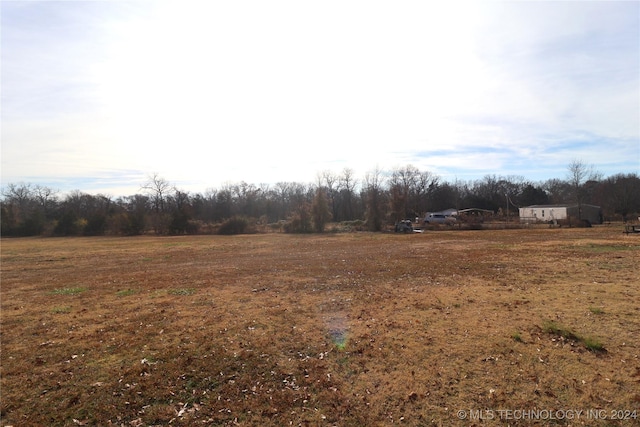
(46,197)
(346,188)
(578,174)
(330,180)
(320,210)
(374,199)
(157,188)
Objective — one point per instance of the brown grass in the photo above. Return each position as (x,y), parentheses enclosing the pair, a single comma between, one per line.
(344,329)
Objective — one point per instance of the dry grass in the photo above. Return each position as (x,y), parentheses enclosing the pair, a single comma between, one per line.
(344,329)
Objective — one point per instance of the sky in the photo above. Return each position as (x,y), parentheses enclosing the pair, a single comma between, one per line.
(98,95)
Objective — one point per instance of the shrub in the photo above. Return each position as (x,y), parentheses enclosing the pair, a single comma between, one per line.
(234,225)
(34,225)
(194,227)
(355,225)
(320,211)
(300,222)
(96,225)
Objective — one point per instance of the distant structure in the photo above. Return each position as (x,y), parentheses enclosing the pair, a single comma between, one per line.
(555,213)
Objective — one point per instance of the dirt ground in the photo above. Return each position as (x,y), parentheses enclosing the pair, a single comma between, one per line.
(445,328)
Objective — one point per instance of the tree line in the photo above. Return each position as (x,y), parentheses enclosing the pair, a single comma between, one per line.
(370,203)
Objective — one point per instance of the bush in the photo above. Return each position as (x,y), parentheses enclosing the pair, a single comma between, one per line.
(234,225)
(96,225)
(300,221)
(194,227)
(349,226)
(126,223)
(276,226)
(33,226)
(297,225)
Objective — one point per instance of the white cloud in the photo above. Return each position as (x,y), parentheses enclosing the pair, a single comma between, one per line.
(279,91)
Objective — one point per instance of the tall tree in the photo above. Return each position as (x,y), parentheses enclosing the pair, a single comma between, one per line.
(401,183)
(347,184)
(578,173)
(22,214)
(374,199)
(320,210)
(425,185)
(158,189)
(134,220)
(532,195)
(620,194)
(330,181)
(443,196)
(180,212)
(558,191)
(46,197)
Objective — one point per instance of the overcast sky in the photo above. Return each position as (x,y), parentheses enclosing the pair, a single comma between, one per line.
(97,95)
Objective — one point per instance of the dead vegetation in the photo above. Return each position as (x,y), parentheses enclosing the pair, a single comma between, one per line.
(342,329)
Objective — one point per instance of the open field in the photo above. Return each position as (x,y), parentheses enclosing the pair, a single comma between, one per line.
(342,329)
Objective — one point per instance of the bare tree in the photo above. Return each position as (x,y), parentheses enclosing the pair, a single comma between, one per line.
(374,199)
(330,180)
(283,199)
(46,197)
(346,188)
(400,184)
(409,189)
(158,188)
(425,186)
(20,212)
(620,194)
(320,210)
(578,173)
(19,194)
(248,199)
(558,190)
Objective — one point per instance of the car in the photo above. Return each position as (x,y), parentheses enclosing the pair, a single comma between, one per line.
(434,218)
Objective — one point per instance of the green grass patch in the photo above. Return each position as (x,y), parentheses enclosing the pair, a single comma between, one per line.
(517,337)
(125,292)
(593,344)
(590,343)
(68,291)
(61,310)
(551,327)
(596,310)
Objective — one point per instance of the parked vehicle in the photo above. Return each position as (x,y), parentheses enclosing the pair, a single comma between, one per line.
(436,218)
(404,226)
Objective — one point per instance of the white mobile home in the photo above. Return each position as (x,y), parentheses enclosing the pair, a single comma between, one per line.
(554,213)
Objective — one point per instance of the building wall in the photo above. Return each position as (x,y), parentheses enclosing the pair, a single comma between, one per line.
(542,213)
(591,213)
